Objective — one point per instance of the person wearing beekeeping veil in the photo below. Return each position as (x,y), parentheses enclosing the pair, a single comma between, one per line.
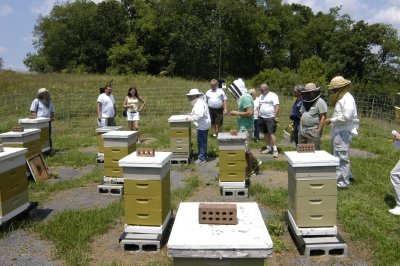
(245,121)
(42,107)
(345,124)
(201,118)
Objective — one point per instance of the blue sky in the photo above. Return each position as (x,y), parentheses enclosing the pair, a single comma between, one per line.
(18,17)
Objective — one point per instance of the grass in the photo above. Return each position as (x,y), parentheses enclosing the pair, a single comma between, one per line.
(362,210)
(73,230)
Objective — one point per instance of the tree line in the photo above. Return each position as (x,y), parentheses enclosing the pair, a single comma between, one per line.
(203,39)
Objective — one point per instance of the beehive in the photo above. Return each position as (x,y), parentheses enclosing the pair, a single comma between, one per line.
(117,145)
(43,125)
(29,138)
(100,131)
(232,160)
(13,181)
(312,188)
(180,134)
(146,188)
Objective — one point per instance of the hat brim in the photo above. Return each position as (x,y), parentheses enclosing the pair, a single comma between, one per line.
(305,91)
(339,85)
(193,94)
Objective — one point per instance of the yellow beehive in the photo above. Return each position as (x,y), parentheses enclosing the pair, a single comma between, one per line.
(13,181)
(117,144)
(232,160)
(43,125)
(147,190)
(29,138)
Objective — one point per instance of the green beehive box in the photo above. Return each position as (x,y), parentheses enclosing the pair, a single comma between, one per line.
(314,219)
(232,176)
(100,131)
(232,155)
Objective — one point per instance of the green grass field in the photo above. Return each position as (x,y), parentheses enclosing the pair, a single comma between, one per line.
(362,210)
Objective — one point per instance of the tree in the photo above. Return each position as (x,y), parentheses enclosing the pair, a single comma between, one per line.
(1,63)
(127,58)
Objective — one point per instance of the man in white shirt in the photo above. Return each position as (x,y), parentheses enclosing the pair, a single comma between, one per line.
(268,118)
(106,107)
(345,124)
(216,101)
(201,119)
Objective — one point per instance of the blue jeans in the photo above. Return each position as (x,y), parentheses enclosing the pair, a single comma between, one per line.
(202,144)
(256,131)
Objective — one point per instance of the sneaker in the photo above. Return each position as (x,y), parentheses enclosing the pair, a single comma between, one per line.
(275,154)
(395,210)
(214,135)
(266,151)
(198,161)
(256,166)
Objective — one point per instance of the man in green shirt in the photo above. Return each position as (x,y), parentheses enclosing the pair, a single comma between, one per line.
(245,121)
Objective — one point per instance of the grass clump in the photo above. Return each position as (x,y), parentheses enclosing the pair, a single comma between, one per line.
(73,230)
(182,193)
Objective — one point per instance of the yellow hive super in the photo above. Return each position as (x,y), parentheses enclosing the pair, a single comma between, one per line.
(147,190)
(13,181)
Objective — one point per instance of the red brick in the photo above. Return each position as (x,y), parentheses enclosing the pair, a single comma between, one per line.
(217,213)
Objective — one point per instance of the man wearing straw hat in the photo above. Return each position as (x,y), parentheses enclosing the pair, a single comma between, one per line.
(200,116)
(345,124)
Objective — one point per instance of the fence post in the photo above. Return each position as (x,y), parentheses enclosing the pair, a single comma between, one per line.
(372,111)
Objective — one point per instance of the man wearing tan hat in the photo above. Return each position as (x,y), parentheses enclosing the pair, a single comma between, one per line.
(313,115)
(345,124)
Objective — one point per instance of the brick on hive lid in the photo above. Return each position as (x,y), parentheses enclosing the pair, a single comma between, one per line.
(309,147)
(233,132)
(17,129)
(218,213)
(145,152)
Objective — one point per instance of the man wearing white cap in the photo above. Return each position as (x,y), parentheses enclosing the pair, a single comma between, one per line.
(42,107)
(201,118)
(245,121)
(345,124)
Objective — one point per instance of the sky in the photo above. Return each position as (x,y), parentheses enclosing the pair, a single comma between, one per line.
(18,17)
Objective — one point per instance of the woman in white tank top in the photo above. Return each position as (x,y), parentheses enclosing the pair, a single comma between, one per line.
(131,104)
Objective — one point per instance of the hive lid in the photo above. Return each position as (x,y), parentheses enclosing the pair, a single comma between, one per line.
(33,120)
(120,134)
(179,118)
(108,129)
(307,159)
(157,161)
(26,132)
(248,238)
(226,136)
(10,152)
